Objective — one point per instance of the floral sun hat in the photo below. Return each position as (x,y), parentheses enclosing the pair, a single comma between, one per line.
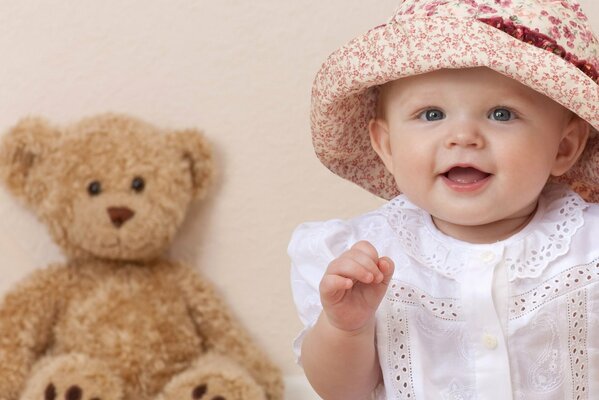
(547,45)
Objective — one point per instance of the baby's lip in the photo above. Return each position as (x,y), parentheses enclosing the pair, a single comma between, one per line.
(463,167)
(465,175)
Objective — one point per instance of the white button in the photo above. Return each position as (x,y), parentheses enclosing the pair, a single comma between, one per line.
(487,256)
(490,341)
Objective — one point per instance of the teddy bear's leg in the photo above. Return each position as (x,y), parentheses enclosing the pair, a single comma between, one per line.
(72,377)
(213,377)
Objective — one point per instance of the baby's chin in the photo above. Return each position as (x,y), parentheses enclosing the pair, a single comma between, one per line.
(476,228)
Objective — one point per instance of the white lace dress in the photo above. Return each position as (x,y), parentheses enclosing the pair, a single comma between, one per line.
(516,319)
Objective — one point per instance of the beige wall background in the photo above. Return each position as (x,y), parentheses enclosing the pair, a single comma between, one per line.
(242,72)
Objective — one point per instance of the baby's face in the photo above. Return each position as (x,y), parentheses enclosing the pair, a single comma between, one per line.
(471,146)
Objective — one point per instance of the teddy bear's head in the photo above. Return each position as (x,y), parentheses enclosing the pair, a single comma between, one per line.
(110,186)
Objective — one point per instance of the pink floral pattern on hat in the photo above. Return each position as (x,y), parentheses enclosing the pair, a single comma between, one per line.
(561,21)
(542,41)
(426,35)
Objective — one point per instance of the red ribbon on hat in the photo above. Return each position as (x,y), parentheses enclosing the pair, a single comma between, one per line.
(542,41)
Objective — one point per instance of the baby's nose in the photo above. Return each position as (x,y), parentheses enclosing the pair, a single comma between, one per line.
(120,215)
(465,136)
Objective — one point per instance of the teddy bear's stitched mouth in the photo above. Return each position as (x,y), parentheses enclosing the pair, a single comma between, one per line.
(102,246)
(124,247)
(114,241)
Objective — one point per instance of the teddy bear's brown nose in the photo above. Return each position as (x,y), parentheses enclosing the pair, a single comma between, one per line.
(120,215)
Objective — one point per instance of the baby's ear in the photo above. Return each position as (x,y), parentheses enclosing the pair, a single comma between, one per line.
(381,142)
(572,145)
(22,149)
(192,147)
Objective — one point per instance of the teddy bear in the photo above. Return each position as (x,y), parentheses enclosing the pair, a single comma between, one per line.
(118,320)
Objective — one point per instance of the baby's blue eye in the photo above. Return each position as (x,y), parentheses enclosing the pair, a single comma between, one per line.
(431,114)
(501,114)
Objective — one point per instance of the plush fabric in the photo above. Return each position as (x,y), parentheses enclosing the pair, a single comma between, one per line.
(118,320)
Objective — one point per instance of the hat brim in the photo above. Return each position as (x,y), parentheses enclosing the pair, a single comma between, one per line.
(344,93)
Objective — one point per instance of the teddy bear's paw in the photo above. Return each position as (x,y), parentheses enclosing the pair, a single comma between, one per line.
(72,377)
(213,382)
(213,377)
(73,392)
(214,387)
(200,392)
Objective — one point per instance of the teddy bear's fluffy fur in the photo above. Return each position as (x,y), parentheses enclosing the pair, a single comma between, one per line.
(118,320)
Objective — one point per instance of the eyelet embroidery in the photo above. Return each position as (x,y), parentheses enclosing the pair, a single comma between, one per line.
(556,238)
(443,308)
(433,328)
(577,343)
(398,352)
(526,258)
(572,279)
(407,221)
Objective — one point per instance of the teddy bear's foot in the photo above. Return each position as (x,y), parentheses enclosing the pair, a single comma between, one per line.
(72,377)
(213,377)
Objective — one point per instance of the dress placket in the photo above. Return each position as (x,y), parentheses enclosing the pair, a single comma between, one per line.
(491,360)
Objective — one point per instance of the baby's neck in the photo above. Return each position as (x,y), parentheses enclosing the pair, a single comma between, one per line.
(487,233)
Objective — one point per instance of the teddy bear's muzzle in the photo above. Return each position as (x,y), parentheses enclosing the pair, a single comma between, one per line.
(120,215)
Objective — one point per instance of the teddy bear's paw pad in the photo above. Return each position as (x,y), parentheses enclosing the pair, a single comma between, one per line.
(72,377)
(74,392)
(212,388)
(50,392)
(220,388)
(200,391)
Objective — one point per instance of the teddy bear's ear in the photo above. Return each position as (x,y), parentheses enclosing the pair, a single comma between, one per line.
(22,148)
(193,147)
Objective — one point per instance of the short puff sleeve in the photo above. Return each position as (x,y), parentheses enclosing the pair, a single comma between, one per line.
(312,247)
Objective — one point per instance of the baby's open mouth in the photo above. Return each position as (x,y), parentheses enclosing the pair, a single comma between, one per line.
(465,175)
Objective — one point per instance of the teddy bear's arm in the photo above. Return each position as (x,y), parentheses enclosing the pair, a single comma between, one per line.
(223,334)
(27,314)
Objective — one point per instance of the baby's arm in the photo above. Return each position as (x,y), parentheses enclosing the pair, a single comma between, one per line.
(338,354)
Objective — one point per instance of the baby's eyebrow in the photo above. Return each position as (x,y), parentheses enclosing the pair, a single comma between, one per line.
(421,98)
(431,93)
(519,93)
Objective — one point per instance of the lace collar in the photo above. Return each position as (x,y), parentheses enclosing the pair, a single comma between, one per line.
(527,253)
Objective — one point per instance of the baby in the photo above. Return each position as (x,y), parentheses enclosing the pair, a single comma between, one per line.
(480,280)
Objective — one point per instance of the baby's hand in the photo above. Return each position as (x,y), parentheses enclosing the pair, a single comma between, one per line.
(354,285)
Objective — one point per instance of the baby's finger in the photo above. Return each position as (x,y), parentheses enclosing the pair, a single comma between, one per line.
(350,268)
(365,261)
(332,284)
(366,247)
(387,267)
(369,251)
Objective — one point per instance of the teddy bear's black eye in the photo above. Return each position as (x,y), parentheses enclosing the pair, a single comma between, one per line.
(94,188)
(138,184)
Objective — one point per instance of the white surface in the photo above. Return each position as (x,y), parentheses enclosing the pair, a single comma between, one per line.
(242,71)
